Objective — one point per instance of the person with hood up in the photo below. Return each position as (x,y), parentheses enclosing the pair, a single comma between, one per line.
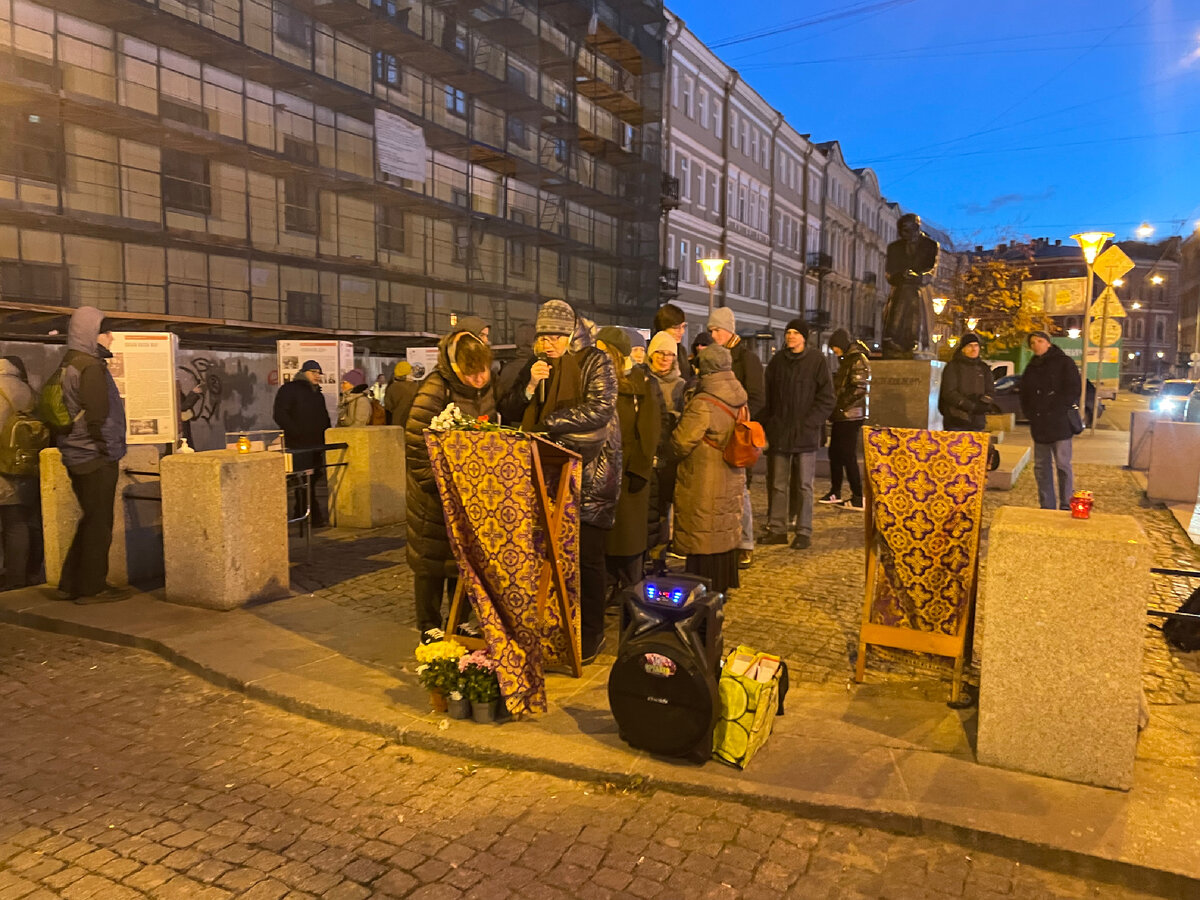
(301,412)
(354,405)
(91,451)
(967,389)
(708,491)
(1050,386)
(662,361)
(851,382)
(799,400)
(475,326)
(401,392)
(463,377)
(641,426)
(18,493)
(569,393)
(637,346)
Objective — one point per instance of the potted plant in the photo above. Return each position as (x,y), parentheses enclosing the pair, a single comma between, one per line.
(479,682)
(438,670)
(457,704)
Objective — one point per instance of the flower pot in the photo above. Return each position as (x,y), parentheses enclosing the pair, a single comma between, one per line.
(437,701)
(459,709)
(484,711)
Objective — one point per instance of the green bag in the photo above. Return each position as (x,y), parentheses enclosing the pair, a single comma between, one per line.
(52,406)
(748,706)
(22,438)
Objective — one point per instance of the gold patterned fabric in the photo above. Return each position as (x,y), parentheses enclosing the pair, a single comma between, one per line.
(486,482)
(927,506)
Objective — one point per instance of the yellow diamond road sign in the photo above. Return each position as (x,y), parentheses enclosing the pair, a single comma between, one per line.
(1108,305)
(1111,333)
(1112,264)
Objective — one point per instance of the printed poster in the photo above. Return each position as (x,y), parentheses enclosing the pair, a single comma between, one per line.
(143,366)
(334,357)
(423,361)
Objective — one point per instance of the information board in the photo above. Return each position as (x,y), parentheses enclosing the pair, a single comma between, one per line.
(143,366)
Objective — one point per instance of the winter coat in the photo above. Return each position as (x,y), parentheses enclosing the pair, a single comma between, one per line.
(15,397)
(301,412)
(398,400)
(671,389)
(1050,385)
(639,412)
(428,545)
(708,491)
(966,393)
(748,370)
(799,400)
(587,424)
(852,384)
(97,433)
(354,407)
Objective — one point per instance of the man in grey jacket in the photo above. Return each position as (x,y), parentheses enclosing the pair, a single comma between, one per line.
(91,450)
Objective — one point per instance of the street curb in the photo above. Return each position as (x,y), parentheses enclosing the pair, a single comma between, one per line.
(423,734)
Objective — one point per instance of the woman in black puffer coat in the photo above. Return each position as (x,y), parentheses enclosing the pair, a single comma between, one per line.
(462,377)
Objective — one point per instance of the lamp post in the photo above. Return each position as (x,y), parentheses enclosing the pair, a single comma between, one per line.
(1091,242)
(712,271)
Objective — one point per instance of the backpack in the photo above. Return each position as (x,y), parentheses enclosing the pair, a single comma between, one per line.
(52,406)
(1184,634)
(378,412)
(22,438)
(746,442)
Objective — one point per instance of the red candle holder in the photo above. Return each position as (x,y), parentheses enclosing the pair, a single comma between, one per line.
(1081,505)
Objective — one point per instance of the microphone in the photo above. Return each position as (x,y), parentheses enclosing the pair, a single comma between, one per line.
(541,388)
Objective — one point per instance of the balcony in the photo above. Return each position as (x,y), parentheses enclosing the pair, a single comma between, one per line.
(818,318)
(670,192)
(668,283)
(820,263)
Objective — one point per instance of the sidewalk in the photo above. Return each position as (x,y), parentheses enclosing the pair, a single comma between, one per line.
(888,753)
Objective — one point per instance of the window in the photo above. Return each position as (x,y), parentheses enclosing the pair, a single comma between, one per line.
(762,282)
(516,132)
(734,132)
(456,102)
(716,192)
(741,199)
(32,148)
(741,274)
(702,185)
(703,108)
(562,103)
(688,88)
(392,316)
(561,151)
(303,308)
(685,268)
(564,261)
(685,178)
(299,196)
(391,229)
(716,118)
(33,282)
(754,144)
(463,247)
(1139,329)
(1160,331)
(387,69)
(292,26)
(518,250)
(460,198)
(185,176)
(675,88)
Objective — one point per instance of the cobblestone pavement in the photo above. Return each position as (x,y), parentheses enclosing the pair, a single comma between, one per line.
(123,777)
(807,605)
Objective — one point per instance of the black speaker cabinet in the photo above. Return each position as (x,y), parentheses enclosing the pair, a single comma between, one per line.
(662,689)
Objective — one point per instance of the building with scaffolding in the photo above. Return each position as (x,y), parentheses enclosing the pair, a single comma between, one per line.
(243,170)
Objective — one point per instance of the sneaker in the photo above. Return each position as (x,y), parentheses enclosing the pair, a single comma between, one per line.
(854,503)
(745,559)
(830,499)
(801,542)
(110,594)
(589,657)
(432,635)
(470,629)
(773,537)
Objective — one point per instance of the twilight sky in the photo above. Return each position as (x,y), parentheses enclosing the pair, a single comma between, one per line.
(994,120)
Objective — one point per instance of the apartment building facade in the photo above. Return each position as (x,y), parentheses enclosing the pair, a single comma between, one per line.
(251,169)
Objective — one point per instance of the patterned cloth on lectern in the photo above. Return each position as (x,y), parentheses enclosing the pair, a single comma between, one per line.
(486,482)
(927,491)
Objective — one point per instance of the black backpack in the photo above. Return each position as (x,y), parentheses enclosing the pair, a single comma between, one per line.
(1184,634)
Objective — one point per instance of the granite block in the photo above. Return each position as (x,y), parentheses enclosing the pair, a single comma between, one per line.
(904,393)
(1174,473)
(1141,435)
(369,490)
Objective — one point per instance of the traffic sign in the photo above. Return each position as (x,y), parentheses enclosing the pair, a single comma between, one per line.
(1112,333)
(1112,264)
(1107,304)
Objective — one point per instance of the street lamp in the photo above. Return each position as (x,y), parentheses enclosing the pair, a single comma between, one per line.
(1118,282)
(971,323)
(712,271)
(939,304)
(1135,305)
(935,337)
(1091,242)
(1156,279)
(952,341)
(1145,230)
(1073,333)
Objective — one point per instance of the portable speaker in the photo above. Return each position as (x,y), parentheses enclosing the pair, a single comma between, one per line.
(662,689)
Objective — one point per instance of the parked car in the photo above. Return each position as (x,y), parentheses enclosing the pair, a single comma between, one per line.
(1172,399)
(1007,399)
(1151,385)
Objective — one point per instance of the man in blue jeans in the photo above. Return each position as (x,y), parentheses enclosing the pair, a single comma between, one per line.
(1050,387)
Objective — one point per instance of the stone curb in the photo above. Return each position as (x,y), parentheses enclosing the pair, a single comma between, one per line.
(422,733)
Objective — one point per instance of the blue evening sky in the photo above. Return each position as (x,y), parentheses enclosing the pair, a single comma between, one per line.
(994,120)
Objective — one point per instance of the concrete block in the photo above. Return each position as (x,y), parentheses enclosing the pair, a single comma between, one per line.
(369,490)
(1013,460)
(1174,472)
(1001,422)
(1141,434)
(225,528)
(904,393)
(1063,617)
(136,553)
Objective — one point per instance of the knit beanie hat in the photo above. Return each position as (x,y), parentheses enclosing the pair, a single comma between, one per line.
(311,365)
(798,325)
(839,339)
(354,377)
(663,343)
(1040,334)
(635,338)
(614,337)
(972,338)
(722,317)
(556,317)
(473,324)
(714,358)
(703,339)
(402,369)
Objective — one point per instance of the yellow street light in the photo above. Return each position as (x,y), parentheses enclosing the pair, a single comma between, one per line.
(971,323)
(1160,354)
(712,268)
(939,304)
(1073,333)
(1131,356)
(952,341)
(1092,242)
(935,337)
(1145,230)
(1156,279)
(1136,304)
(1118,282)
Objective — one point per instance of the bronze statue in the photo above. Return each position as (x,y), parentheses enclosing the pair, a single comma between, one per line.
(908,313)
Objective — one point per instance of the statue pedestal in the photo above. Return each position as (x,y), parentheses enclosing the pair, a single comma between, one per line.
(904,393)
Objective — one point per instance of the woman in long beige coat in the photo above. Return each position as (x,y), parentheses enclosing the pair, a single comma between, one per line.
(708,491)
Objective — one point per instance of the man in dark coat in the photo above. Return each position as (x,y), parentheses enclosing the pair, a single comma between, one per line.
(301,412)
(1050,386)
(850,385)
(799,400)
(578,409)
(748,370)
(968,388)
(462,377)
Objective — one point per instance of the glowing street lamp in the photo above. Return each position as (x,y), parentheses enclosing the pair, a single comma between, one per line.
(1073,333)
(1160,354)
(971,323)
(1156,279)
(1131,356)
(1118,282)
(935,337)
(1091,242)
(1145,230)
(952,341)
(1137,304)
(712,268)
(939,304)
